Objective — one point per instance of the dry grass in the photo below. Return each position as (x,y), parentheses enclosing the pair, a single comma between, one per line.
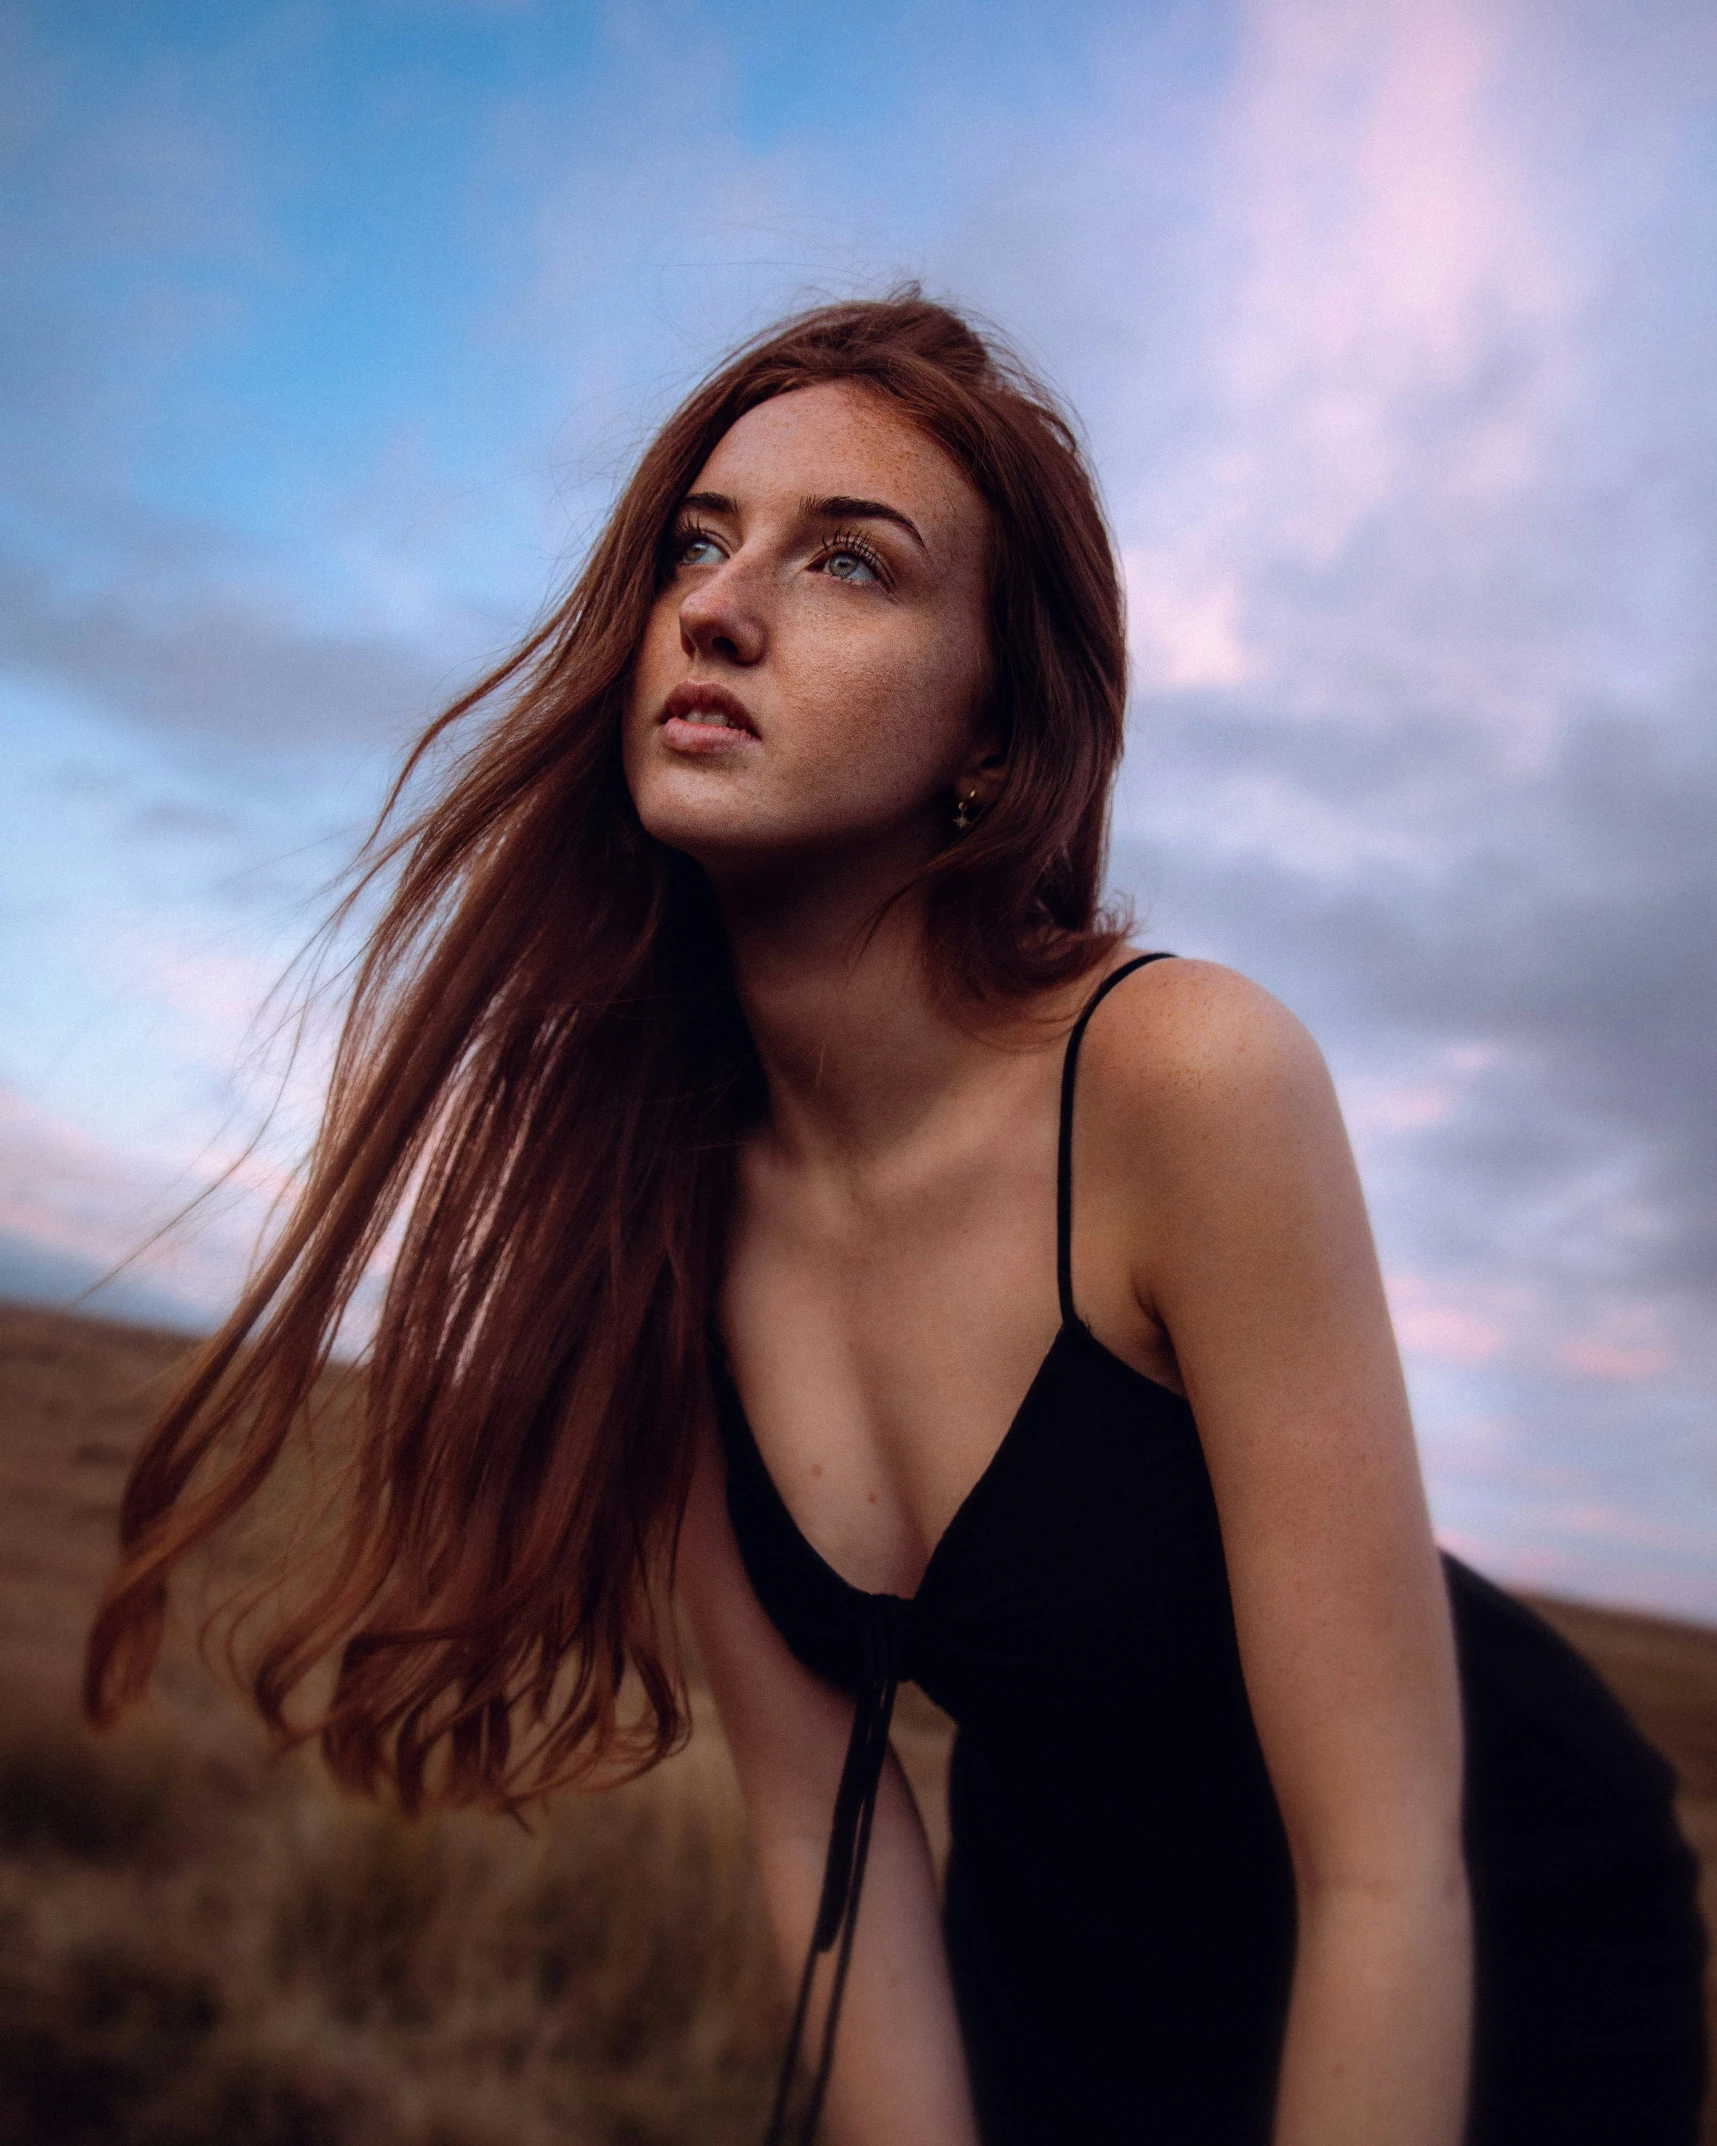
(198,1946)
(201,1945)
(197,1952)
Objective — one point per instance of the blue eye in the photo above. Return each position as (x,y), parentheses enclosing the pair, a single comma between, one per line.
(846,556)
(696,549)
(849,566)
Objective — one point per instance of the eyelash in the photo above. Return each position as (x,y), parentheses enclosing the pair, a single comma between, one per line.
(844,540)
(849,540)
(686,534)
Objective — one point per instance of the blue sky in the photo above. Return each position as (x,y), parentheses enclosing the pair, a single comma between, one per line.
(330,330)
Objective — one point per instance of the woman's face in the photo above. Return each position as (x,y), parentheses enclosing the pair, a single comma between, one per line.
(814,665)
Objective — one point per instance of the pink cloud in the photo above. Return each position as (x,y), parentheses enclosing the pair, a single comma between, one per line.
(65,1190)
(1590,1332)
(1390,229)
(1610,1360)
(1454,1320)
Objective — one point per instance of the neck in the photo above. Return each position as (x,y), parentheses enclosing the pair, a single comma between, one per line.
(858,1049)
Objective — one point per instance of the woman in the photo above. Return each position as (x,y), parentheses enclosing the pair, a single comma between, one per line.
(718,1053)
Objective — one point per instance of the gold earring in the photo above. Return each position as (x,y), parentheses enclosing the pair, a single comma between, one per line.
(965,812)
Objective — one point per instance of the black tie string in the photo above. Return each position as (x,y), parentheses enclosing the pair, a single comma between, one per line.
(849,1844)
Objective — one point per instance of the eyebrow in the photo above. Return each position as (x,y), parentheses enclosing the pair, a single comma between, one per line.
(831,507)
(840,508)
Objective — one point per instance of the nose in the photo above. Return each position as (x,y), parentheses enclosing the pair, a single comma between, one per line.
(722,618)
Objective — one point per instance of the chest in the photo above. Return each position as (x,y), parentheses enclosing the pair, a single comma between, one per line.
(1084,1564)
(884,1336)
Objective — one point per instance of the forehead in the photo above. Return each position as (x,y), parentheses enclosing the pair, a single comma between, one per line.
(839,439)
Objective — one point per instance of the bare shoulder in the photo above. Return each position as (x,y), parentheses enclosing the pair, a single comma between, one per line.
(1189,1044)
(1212,1135)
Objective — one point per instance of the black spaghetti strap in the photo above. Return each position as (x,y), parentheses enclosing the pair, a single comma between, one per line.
(1064,1156)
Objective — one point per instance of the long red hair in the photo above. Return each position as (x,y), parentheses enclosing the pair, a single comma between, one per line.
(539,1088)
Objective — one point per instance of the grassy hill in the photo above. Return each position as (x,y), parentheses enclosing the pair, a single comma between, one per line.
(198,1945)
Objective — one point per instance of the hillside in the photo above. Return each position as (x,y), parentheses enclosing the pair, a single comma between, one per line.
(200,1945)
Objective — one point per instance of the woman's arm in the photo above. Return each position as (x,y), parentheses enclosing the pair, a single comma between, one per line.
(1251,1249)
(899,2075)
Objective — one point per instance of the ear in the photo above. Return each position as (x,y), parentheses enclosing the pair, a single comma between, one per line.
(985,767)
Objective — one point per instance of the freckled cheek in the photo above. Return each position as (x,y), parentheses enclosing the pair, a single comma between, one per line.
(656,653)
(906,709)
(923,717)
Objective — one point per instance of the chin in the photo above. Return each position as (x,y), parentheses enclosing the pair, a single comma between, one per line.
(707,830)
(735,838)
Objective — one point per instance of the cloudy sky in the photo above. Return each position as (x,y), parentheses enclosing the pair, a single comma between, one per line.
(1393,327)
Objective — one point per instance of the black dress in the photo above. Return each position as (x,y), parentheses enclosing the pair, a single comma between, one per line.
(1119,1907)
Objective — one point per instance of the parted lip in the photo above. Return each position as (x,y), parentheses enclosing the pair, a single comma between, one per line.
(692,699)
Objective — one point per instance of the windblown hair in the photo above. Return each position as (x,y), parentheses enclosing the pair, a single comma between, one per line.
(541,1082)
